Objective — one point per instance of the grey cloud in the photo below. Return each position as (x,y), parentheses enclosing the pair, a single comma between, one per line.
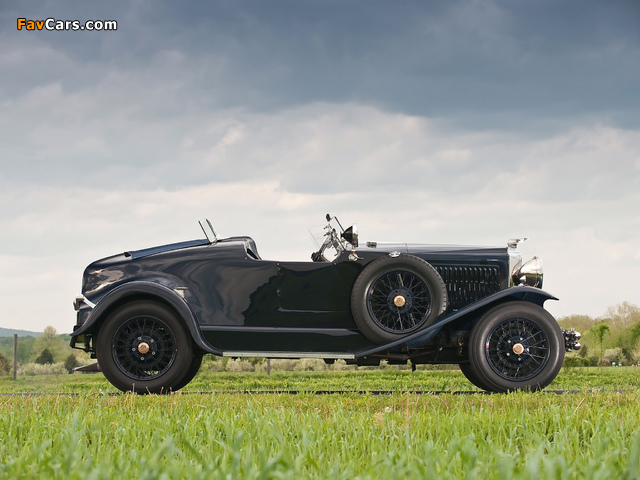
(498,63)
(319,148)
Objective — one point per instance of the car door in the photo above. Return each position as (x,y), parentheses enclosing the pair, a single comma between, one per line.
(311,294)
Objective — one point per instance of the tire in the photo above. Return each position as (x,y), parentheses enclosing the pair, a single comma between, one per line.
(469,373)
(143,347)
(194,368)
(394,296)
(516,346)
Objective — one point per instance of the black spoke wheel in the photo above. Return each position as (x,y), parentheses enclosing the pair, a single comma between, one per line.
(143,347)
(517,349)
(399,300)
(516,346)
(394,296)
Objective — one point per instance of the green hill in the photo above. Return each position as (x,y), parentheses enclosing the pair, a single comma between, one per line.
(10,332)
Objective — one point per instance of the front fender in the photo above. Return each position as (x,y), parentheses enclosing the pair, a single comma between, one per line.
(131,290)
(473,311)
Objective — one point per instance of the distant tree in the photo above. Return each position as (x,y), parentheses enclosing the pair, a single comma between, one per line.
(25,346)
(5,366)
(612,355)
(581,323)
(625,337)
(50,340)
(634,333)
(623,314)
(45,357)
(584,351)
(70,363)
(599,332)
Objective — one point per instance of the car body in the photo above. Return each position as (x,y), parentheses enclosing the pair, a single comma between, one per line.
(150,315)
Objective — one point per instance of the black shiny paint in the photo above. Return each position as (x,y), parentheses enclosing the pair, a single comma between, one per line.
(232,300)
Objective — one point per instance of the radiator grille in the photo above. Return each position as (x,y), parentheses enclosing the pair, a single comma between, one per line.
(466,285)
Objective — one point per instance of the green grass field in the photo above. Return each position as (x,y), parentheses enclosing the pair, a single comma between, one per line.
(221,434)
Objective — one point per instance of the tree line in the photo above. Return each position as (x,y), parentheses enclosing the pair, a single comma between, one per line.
(46,349)
(610,339)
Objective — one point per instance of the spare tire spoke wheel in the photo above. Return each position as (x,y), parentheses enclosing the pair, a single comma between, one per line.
(399,300)
(394,296)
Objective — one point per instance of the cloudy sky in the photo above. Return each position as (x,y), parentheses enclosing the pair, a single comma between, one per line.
(436,122)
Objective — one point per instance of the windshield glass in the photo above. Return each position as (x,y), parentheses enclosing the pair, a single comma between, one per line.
(208,230)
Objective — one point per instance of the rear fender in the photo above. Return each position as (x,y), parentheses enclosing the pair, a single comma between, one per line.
(468,314)
(147,290)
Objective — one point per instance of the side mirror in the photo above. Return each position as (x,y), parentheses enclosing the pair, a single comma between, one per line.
(351,235)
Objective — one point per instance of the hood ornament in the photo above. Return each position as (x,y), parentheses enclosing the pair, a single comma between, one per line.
(513,242)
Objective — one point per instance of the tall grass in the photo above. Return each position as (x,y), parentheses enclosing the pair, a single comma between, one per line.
(307,436)
(589,434)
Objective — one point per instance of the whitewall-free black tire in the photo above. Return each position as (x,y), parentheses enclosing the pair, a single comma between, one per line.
(143,347)
(516,346)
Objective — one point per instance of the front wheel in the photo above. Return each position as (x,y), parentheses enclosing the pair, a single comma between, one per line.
(471,375)
(516,346)
(143,347)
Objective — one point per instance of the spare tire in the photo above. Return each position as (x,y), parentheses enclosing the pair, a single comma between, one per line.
(394,296)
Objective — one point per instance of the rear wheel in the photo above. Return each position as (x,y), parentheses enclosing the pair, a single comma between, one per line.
(516,346)
(193,371)
(144,347)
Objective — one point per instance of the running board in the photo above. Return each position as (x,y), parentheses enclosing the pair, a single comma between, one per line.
(345,356)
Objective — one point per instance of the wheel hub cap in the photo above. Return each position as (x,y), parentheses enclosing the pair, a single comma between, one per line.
(517,349)
(399,301)
(144,347)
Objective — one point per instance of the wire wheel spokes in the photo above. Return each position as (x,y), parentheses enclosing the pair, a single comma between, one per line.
(144,347)
(399,301)
(517,349)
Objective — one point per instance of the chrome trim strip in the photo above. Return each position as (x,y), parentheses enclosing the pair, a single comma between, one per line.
(334,332)
(181,291)
(515,262)
(82,299)
(346,356)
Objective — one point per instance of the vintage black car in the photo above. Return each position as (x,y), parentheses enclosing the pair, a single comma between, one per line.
(150,315)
